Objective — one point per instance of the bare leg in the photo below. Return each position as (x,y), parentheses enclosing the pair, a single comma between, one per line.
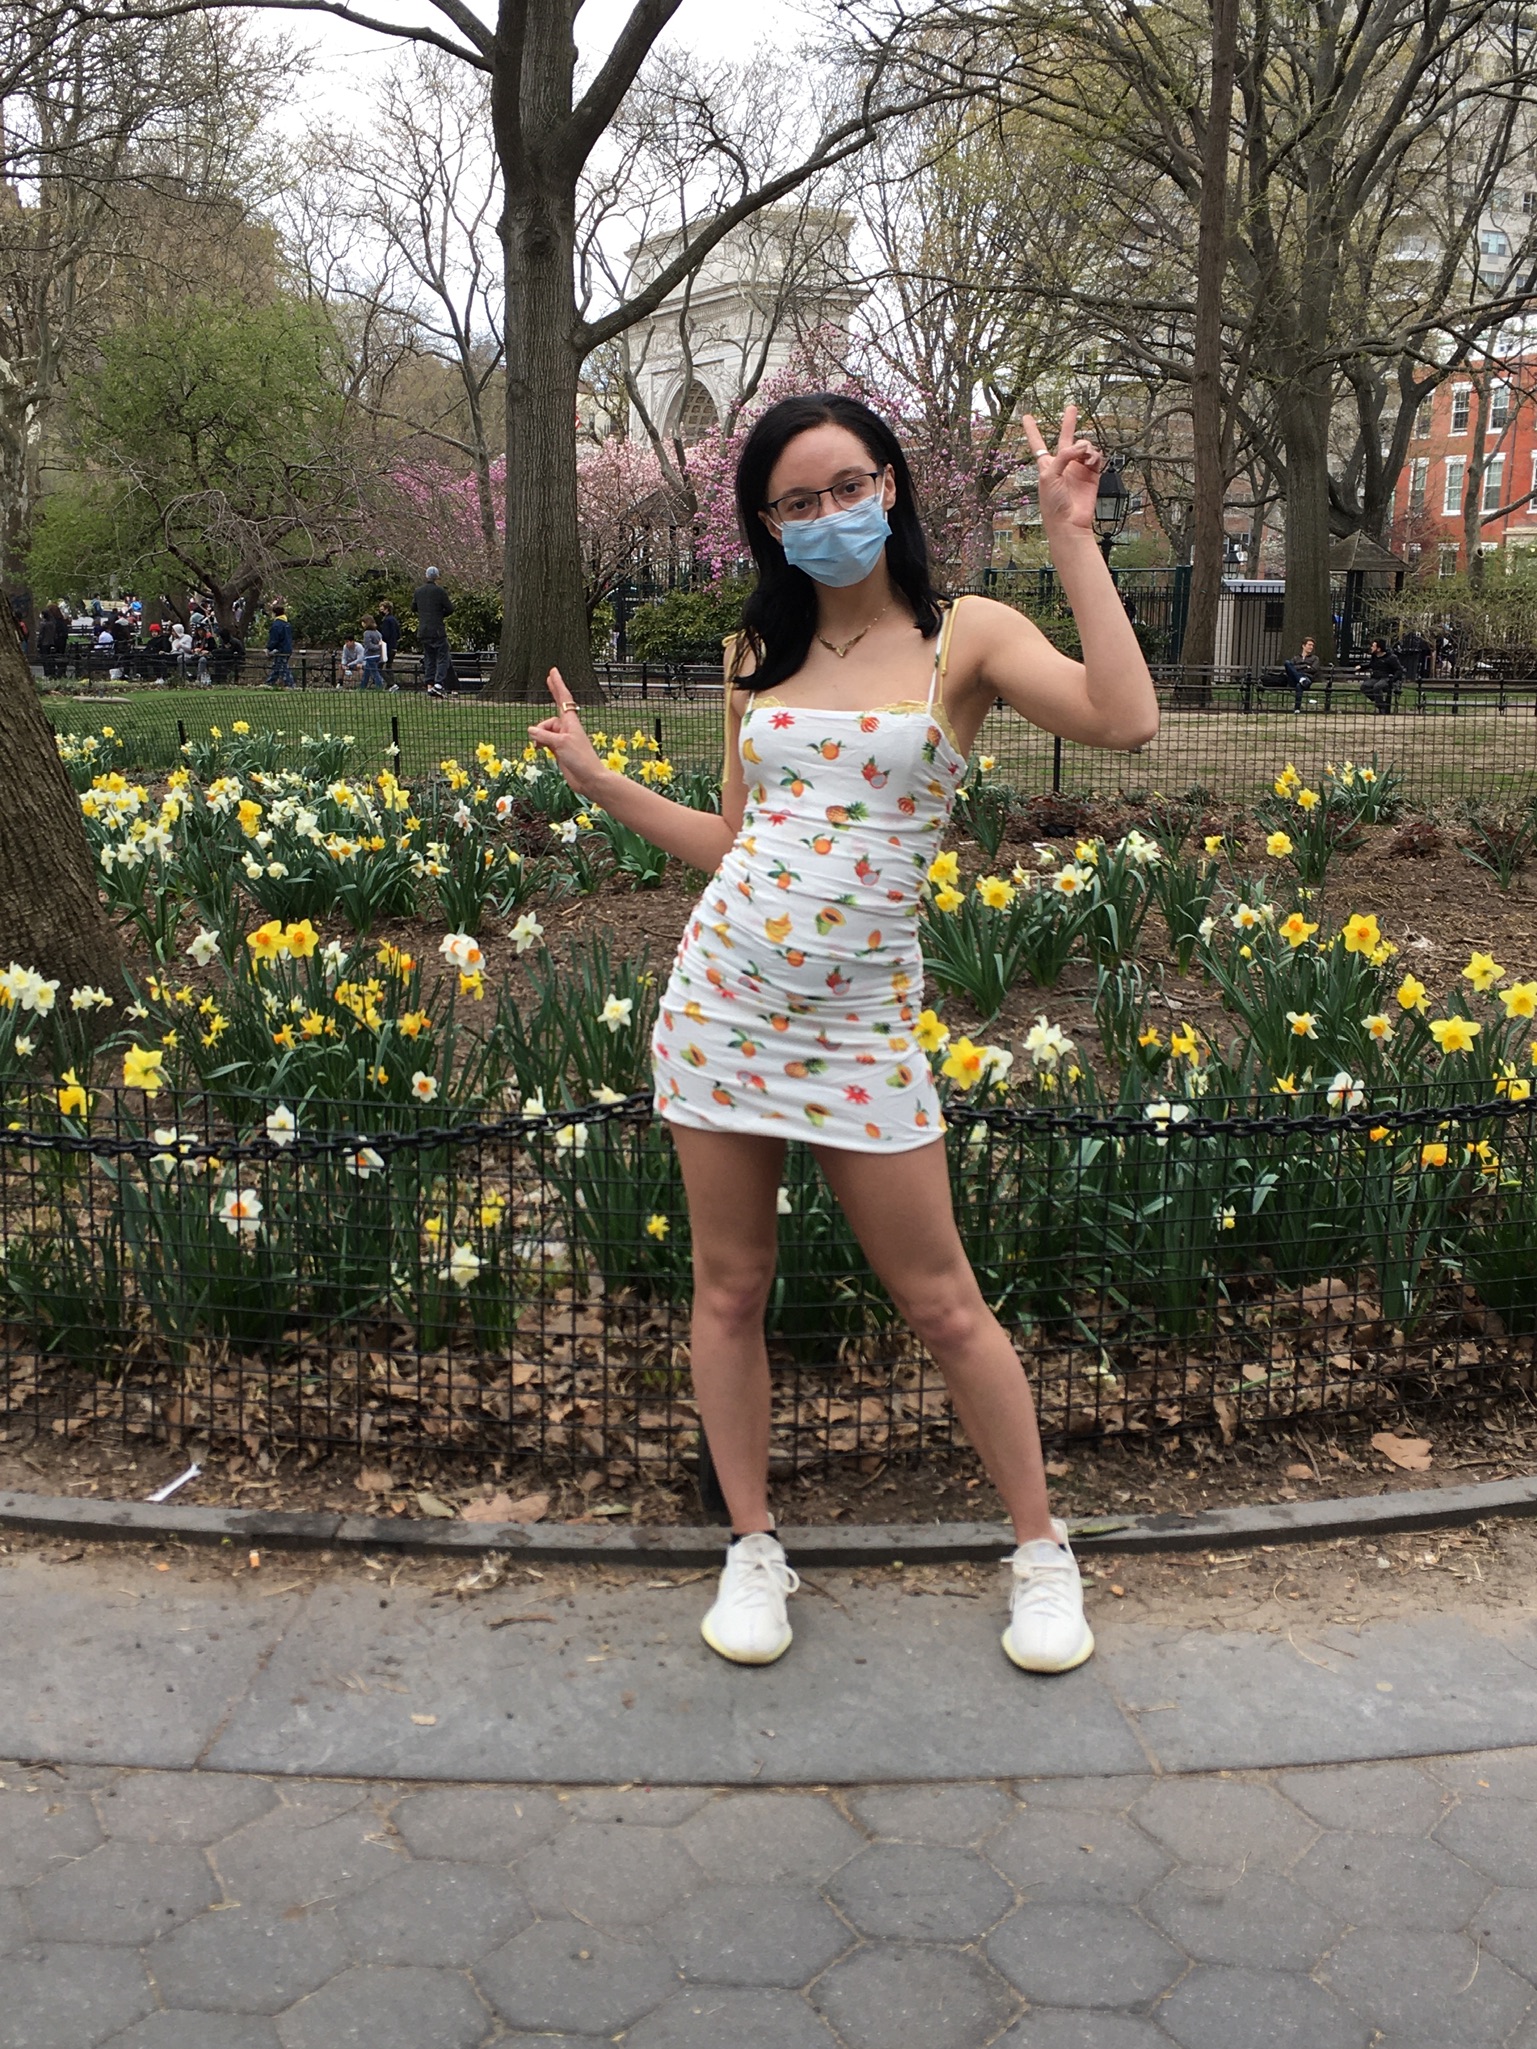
(899,1207)
(733,1180)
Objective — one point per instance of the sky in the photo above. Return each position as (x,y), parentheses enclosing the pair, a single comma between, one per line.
(345,56)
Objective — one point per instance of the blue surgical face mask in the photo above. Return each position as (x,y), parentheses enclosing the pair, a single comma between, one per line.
(841,548)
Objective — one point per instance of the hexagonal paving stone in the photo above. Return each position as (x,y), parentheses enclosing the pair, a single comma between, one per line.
(72,1996)
(434,1913)
(957,1816)
(41,1831)
(123,1892)
(1492,1775)
(912,1996)
(763,1838)
(753,1935)
(1226,2009)
(1057,2028)
(643,1806)
(1496,1836)
(609,1873)
(1378,1799)
(746,2018)
(477,1824)
(376,2006)
(1090,1796)
(1224,1822)
(1257,1919)
(287,1860)
(1061,1954)
(1065,1854)
(1389,1882)
(1427,1985)
(182,2030)
(920,1892)
(182,1807)
(248,1959)
(1506,1923)
(561,1974)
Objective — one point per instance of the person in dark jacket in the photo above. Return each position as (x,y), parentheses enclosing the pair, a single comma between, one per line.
(432,605)
(280,645)
(52,640)
(389,633)
(1384,673)
(1302,671)
(1414,653)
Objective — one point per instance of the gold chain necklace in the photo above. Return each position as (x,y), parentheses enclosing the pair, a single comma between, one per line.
(834,649)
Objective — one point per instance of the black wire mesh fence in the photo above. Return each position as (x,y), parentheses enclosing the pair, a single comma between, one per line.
(1224,734)
(519,1288)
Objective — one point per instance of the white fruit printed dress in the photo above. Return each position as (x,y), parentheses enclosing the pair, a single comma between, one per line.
(798,979)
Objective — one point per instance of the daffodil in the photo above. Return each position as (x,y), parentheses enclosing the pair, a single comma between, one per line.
(525,932)
(1307,799)
(963,1064)
(282,1125)
(1303,1024)
(948,900)
(1152,1038)
(268,941)
(930,1032)
(657,1226)
(1454,1034)
(1411,994)
(363,1162)
(301,939)
(1071,879)
(142,1069)
(1360,933)
(73,1100)
(995,892)
(1520,999)
(1295,930)
(1285,1085)
(1227,1219)
(572,1138)
(1483,971)
(1434,1154)
(1378,1027)
(1344,1093)
(1185,1043)
(945,868)
(463,1266)
(1278,845)
(424,1087)
(1164,1116)
(616,1012)
(240,1212)
(1213,843)
(1046,1044)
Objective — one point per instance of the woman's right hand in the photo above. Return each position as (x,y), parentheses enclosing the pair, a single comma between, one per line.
(575,756)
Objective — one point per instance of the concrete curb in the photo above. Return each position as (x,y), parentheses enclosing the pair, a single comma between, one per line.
(1218,1529)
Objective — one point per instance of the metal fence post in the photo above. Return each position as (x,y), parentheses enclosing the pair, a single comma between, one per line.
(1056,764)
(181,734)
(395,740)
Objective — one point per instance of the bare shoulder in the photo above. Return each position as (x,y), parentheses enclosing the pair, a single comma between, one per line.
(984,630)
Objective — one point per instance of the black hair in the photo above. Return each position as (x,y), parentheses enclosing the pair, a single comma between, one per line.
(780,615)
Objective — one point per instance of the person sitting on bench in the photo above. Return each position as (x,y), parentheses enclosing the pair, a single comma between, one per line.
(1302,672)
(1384,673)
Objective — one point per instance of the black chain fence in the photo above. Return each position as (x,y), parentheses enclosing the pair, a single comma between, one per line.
(271,1277)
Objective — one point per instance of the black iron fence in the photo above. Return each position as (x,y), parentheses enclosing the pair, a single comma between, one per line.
(519,1287)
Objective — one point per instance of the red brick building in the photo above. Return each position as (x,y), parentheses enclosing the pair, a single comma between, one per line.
(1427,508)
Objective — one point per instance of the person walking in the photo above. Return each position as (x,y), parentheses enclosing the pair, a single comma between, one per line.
(280,647)
(373,654)
(1302,671)
(389,631)
(432,606)
(854,697)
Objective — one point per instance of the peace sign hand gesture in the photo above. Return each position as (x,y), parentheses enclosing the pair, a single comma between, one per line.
(564,735)
(1069,475)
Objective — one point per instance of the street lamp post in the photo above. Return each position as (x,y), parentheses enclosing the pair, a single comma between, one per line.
(1111,505)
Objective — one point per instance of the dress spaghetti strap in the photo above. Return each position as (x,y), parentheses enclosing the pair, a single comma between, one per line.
(941,653)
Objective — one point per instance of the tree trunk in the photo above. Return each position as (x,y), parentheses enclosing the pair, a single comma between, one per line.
(1473,480)
(51,914)
(1309,611)
(1208,526)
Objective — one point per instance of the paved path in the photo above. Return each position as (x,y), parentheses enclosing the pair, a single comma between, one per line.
(307,1817)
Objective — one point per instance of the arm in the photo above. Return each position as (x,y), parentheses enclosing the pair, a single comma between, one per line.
(1106,699)
(698,837)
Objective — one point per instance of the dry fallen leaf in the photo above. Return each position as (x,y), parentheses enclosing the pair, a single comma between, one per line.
(373,1480)
(1412,1454)
(425,1721)
(1058,1468)
(432,1504)
(1299,1472)
(495,1510)
(529,1508)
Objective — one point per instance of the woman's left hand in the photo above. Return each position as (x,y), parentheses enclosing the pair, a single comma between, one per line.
(1069,475)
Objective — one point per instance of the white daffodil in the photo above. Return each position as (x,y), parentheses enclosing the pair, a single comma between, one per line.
(241,1212)
(525,932)
(1046,1043)
(532,1105)
(282,1125)
(616,1012)
(424,1087)
(204,947)
(463,1265)
(363,1162)
(1345,1093)
(1165,1115)
(572,1138)
(782,1202)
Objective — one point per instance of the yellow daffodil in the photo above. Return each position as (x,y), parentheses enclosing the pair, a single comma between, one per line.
(142,1069)
(1278,845)
(301,939)
(1433,1155)
(1185,1042)
(1360,933)
(995,892)
(964,1064)
(948,899)
(1302,1023)
(1483,971)
(1296,929)
(945,868)
(73,1100)
(1411,994)
(268,941)
(1306,799)
(1520,999)
(1151,1037)
(1454,1034)
(657,1226)
(1286,781)
(1213,843)
(1378,1133)
(1378,1027)
(930,1032)
(1285,1085)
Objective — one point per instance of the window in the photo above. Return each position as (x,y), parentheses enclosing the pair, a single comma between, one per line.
(1419,476)
(1531,503)
(1422,419)
(1462,396)
(1446,563)
(1275,614)
(1499,405)
(1529,202)
(1412,552)
(1494,479)
(1451,497)
(1492,243)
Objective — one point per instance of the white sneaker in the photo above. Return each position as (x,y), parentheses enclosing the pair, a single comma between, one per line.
(748,1623)
(1047,1631)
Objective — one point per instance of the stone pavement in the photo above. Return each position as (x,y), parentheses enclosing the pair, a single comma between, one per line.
(1335,1908)
(258,1811)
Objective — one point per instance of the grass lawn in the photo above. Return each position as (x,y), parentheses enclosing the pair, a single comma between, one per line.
(1232,756)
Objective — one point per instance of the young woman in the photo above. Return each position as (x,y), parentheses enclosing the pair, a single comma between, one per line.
(854,695)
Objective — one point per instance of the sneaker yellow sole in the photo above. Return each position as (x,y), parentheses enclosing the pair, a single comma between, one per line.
(1080,1657)
(740,1658)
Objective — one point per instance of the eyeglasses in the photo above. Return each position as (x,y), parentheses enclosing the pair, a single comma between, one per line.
(796,506)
